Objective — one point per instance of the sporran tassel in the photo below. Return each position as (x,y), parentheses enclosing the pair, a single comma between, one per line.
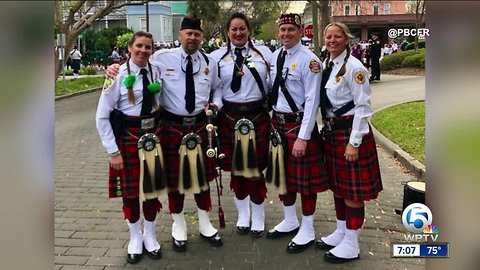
(252,160)
(159,173)
(277,171)
(147,180)
(238,155)
(187,177)
(200,172)
(268,175)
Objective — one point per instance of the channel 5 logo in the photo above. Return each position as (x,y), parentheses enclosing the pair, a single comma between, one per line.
(417,218)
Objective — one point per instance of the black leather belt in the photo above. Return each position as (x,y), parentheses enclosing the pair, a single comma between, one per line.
(284,118)
(184,120)
(144,122)
(331,124)
(247,108)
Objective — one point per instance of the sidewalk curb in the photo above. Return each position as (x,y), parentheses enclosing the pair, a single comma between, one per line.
(77,93)
(413,165)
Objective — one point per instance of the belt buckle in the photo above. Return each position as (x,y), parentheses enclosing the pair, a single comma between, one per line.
(243,108)
(297,119)
(188,120)
(281,118)
(147,123)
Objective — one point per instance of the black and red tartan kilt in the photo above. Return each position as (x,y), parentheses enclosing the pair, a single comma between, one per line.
(226,132)
(170,138)
(359,180)
(128,186)
(305,175)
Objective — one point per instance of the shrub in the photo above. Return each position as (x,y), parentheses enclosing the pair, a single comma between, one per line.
(411,46)
(416,60)
(394,60)
(88,70)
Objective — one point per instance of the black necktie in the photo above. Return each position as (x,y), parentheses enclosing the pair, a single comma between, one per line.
(147,95)
(189,87)
(278,77)
(324,101)
(237,76)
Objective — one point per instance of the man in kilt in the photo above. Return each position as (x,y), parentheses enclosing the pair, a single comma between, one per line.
(295,99)
(244,96)
(188,77)
(132,104)
(350,152)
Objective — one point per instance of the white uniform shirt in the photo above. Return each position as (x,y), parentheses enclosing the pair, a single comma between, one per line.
(115,95)
(353,85)
(249,90)
(75,54)
(303,83)
(173,64)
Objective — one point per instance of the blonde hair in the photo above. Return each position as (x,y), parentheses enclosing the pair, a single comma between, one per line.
(349,36)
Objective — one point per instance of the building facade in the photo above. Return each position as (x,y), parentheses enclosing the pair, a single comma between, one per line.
(365,17)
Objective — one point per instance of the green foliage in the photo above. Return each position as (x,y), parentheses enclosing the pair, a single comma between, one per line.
(122,40)
(404,124)
(104,39)
(76,85)
(268,31)
(396,60)
(416,60)
(88,70)
(96,57)
(411,46)
(216,15)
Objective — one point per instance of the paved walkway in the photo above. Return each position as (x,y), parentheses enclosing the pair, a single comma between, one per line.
(90,232)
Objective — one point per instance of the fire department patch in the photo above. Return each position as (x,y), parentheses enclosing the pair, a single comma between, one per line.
(359,77)
(107,85)
(314,66)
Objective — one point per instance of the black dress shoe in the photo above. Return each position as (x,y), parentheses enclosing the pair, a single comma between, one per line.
(154,255)
(257,234)
(273,234)
(214,240)
(134,258)
(179,246)
(322,245)
(296,248)
(243,230)
(329,257)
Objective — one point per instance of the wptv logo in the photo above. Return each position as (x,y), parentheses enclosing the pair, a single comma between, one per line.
(417,218)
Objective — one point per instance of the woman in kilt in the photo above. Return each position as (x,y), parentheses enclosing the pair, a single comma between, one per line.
(243,70)
(130,97)
(350,152)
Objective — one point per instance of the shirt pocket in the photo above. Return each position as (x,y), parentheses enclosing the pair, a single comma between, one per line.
(294,75)
(205,80)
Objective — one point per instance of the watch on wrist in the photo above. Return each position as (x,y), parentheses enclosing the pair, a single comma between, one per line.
(114,154)
(356,145)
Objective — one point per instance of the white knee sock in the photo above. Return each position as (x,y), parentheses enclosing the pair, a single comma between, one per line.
(306,232)
(290,220)
(135,245)
(243,209)
(337,236)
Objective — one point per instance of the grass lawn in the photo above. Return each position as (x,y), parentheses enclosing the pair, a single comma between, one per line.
(78,85)
(404,124)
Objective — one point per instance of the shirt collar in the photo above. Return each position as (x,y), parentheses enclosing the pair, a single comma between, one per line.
(293,49)
(134,69)
(233,47)
(339,60)
(184,54)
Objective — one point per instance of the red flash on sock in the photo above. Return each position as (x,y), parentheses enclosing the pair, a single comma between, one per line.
(355,217)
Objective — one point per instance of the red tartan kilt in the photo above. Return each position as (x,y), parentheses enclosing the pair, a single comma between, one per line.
(226,132)
(171,137)
(129,184)
(356,181)
(305,175)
